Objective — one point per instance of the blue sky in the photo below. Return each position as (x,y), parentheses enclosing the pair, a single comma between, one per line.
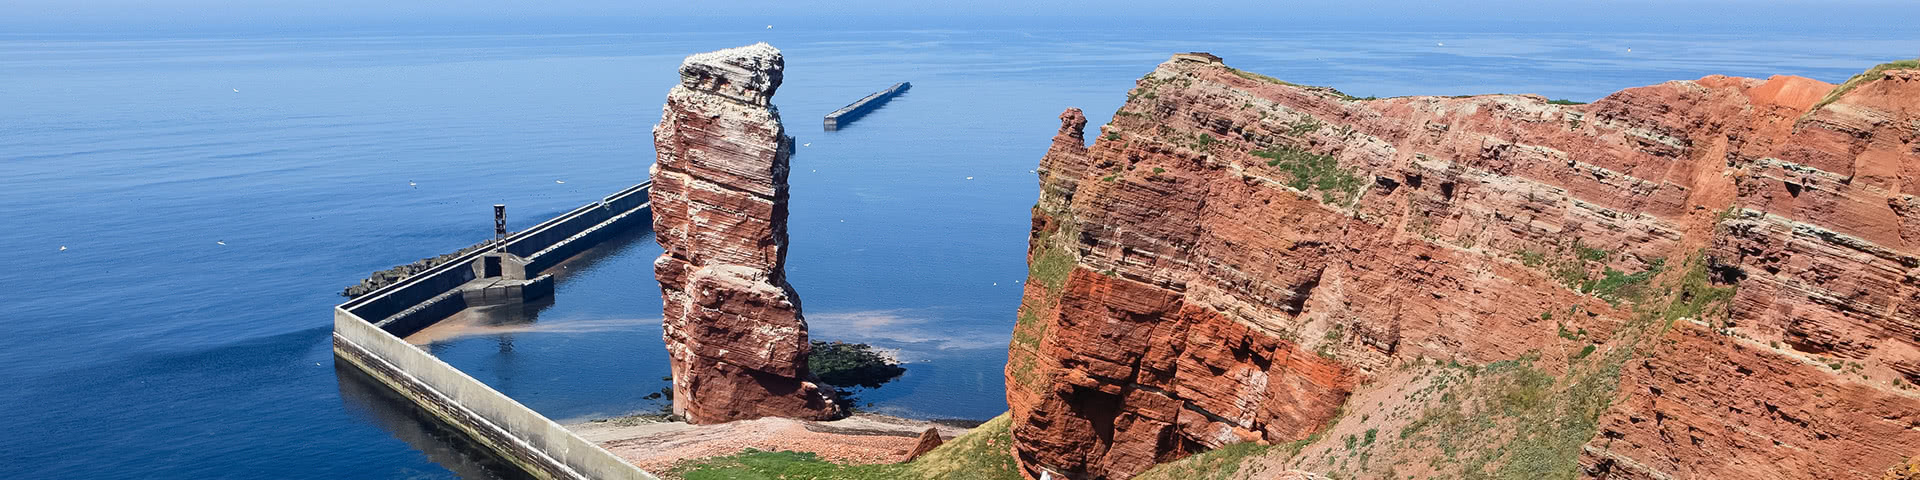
(1756,15)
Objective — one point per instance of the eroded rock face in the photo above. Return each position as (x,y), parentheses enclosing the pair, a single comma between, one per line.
(733,326)
(1655,285)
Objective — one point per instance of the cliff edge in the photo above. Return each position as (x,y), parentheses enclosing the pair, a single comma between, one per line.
(1715,278)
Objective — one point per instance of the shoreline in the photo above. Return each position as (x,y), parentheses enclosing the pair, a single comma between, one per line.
(656,445)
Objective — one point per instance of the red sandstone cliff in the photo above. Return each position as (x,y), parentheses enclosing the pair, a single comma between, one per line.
(732,324)
(1716,278)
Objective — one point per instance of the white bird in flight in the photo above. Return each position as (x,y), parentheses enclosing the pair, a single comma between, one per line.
(969,178)
(559,181)
(769,27)
(63,248)
(411,184)
(808,144)
(222,242)
(236,90)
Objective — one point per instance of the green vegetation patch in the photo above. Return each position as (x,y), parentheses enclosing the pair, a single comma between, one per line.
(1582,268)
(1513,419)
(1614,285)
(1518,419)
(1050,268)
(1217,464)
(1263,78)
(1562,101)
(1584,252)
(1532,258)
(1871,75)
(981,454)
(1588,350)
(1697,298)
(1305,125)
(1311,171)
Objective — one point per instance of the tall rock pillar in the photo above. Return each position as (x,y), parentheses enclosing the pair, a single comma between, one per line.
(732,324)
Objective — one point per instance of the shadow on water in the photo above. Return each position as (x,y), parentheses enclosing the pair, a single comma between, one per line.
(371,400)
(588,260)
(367,398)
(506,320)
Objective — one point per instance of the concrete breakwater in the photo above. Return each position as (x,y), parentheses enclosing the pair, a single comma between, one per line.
(369,334)
(859,108)
(399,273)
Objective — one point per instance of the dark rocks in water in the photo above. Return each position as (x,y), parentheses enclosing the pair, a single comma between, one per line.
(847,365)
(397,274)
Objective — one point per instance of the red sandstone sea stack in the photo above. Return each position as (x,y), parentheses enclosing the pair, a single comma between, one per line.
(1716,278)
(732,324)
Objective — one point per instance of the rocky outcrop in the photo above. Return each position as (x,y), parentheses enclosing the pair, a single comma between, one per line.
(929,440)
(733,326)
(1697,279)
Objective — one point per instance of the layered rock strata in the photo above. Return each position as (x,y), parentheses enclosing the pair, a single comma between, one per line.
(1714,278)
(733,326)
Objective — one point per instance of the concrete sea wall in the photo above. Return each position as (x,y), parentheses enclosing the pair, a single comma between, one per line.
(859,108)
(368,334)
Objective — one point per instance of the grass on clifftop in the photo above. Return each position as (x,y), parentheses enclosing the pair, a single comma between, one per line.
(1869,76)
(1263,78)
(1217,464)
(981,454)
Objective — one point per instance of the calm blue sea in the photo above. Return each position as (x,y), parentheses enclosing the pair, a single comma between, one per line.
(147,348)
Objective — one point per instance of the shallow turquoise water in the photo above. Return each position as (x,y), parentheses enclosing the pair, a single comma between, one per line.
(146,349)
